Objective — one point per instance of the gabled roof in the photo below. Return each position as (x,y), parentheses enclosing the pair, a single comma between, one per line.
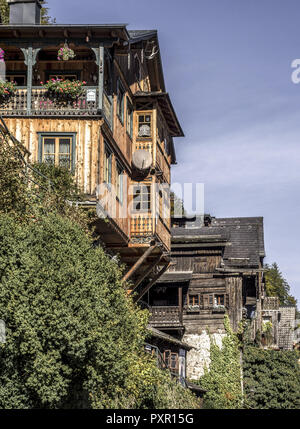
(241,238)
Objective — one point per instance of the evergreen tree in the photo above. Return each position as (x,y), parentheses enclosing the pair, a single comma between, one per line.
(276,285)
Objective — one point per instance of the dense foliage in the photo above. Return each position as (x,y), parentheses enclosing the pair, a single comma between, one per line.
(271,378)
(73,337)
(223,378)
(276,285)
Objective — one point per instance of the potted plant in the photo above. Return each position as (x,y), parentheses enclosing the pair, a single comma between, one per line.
(7,90)
(64,90)
(218,308)
(65,53)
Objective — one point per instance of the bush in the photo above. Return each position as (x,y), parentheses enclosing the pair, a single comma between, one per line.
(223,378)
(271,378)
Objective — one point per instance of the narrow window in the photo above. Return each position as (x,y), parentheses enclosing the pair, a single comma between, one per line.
(174,361)
(120,102)
(167,355)
(107,165)
(129,124)
(120,172)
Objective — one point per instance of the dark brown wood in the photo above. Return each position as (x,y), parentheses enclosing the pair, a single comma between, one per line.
(146,273)
(152,282)
(138,263)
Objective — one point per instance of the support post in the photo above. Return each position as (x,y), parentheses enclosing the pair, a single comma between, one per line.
(145,274)
(152,282)
(138,263)
(99,52)
(30,55)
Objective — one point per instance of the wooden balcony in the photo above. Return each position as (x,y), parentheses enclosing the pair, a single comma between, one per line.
(165,316)
(141,229)
(43,105)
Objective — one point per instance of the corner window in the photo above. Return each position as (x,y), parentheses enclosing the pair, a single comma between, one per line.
(141,198)
(107,165)
(145,126)
(57,150)
(120,101)
(129,122)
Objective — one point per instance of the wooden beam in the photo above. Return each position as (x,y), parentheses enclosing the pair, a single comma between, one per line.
(146,273)
(152,282)
(138,263)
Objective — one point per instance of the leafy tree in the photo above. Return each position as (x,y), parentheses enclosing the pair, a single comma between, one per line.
(223,378)
(73,337)
(271,379)
(276,285)
(45,17)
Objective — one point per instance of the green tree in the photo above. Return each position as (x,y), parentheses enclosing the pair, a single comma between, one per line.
(223,378)
(271,379)
(276,285)
(74,339)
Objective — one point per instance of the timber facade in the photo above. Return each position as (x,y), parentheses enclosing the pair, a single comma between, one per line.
(116,137)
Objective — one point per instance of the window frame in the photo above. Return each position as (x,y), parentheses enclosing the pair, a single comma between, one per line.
(108,162)
(120,185)
(9,74)
(148,200)
(76,73)
(130,121)
(120,90)
(57,135)
(138,115)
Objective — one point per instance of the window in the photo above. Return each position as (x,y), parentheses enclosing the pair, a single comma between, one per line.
(144,126)
(107,164)
(194,300)
(19,79)
(219,300)
(57,150)
(171,359)
(129,124)
(120,102)
(63,74)
(142,198)
(120,189)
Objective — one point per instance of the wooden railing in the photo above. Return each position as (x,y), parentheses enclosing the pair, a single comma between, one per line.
(165,316)
(42,104)
(163,233)
(17,104)
(141,227)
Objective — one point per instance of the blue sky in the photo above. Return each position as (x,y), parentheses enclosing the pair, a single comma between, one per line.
(228,70)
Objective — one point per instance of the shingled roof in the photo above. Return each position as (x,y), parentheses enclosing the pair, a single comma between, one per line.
(242,239)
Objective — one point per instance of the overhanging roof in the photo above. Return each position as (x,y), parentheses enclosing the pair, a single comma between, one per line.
(167,108)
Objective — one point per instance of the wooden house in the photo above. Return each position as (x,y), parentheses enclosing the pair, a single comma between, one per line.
(218,269)
(116,137)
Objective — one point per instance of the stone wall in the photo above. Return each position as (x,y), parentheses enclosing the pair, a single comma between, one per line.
(199,357)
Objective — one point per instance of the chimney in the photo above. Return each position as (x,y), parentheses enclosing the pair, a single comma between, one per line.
(24,11)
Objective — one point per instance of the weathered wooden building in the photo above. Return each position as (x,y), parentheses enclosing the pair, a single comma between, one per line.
(116,137)
(218,270)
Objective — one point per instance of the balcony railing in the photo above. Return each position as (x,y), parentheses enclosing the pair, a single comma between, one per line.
(42,104)
(165,316)
(141,227)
